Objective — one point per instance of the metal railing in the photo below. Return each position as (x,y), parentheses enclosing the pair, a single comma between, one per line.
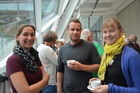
(4,84)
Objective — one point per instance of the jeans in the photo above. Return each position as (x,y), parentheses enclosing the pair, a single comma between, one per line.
(49,89)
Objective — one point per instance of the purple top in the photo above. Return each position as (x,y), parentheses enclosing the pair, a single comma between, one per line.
(136,45)
(14,65)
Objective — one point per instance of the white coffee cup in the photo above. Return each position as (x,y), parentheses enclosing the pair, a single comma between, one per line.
(95,83)
(70,61)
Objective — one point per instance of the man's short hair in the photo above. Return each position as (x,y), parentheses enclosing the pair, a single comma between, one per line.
(133,38)
(76,21)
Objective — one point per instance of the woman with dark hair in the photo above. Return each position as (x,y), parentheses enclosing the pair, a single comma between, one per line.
(23,67)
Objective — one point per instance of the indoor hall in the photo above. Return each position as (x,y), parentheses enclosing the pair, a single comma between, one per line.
(55,15)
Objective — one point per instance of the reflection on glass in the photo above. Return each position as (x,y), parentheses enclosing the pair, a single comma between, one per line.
(12,14)
(97,32)
(16,12)
(49,9)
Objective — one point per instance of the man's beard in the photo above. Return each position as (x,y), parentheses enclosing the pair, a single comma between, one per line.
(75,40)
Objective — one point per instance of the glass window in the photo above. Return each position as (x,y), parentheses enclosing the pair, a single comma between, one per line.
(12,14)
(97,33)
(49,9)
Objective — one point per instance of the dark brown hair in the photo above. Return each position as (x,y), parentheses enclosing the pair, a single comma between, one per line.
(76,21)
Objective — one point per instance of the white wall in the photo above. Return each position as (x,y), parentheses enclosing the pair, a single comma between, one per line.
(130,19)
(104,17)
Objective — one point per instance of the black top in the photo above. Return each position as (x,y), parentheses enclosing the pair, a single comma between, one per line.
(114,73)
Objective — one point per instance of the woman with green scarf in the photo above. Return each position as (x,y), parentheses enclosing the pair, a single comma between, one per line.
(119,70)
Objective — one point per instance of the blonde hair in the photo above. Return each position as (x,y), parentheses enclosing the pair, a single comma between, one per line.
(112,22)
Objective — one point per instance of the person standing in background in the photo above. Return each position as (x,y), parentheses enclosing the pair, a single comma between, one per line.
(48,58)
(120,66)
(73,78)
(133,39)
(23,67)
(87,35)
(130,44)
(59,44)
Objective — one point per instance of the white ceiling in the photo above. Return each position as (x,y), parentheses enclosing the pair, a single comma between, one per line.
(103,7)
